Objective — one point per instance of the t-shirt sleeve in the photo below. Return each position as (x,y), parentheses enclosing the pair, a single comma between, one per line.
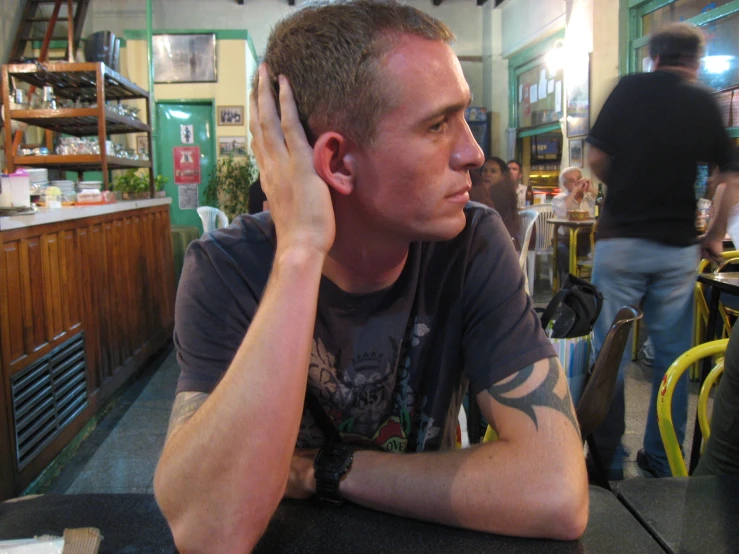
(609,128)
(501,332)
(214,307)
(558,205)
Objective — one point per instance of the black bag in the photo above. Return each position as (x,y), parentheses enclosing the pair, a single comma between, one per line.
(573,309)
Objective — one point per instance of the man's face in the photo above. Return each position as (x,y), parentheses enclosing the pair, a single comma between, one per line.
(571,178)
(412,182)
(515,170)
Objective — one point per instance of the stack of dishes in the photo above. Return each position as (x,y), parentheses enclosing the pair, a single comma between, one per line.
(38,176)
(89,185)
(67,187)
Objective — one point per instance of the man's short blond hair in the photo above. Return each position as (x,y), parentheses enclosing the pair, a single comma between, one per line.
(332,54)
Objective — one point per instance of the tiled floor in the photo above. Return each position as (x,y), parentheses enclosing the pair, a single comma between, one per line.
(120,455)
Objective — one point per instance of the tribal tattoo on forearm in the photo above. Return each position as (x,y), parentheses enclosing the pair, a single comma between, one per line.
(185,406)
(543,395)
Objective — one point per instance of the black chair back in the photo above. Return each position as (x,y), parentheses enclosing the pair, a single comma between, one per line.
(599,390)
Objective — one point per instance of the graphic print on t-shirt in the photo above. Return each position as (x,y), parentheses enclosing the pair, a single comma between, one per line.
(371,402)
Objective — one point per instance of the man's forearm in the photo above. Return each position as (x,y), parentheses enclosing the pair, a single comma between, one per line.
(495,487)
(222,473)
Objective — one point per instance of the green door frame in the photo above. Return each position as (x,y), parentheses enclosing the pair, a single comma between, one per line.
(194,101)
(631,30)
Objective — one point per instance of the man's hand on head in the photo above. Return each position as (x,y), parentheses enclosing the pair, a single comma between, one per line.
(299,199)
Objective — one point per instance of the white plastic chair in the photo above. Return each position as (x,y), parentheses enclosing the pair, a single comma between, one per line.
(527,218)
(544,235)
(212,218)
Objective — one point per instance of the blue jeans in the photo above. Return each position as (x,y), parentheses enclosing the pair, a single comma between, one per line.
(659,279)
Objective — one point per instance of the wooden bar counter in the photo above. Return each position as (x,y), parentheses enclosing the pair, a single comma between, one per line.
(86,297)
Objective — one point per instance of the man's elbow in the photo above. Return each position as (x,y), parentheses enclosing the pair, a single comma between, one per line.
(203,526)
(567,511)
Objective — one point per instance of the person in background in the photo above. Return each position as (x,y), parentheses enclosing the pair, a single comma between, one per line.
(497,191)
(257,199)
(577,194)
(721,454)
(517,176)
(325,345)
(646,145)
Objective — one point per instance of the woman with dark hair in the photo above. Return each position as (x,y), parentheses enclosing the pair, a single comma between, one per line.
(498,190)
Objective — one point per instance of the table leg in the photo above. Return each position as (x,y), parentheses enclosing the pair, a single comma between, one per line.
(710,335)
(573,250)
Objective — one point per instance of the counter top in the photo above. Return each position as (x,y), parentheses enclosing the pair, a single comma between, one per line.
(45,215)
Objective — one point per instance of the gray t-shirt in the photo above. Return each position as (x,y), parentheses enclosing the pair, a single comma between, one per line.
(389,367)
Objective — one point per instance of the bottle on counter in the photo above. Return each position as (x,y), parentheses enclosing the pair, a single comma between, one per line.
(529,195)
(599,199)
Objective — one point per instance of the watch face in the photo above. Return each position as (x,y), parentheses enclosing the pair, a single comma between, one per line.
(334,458)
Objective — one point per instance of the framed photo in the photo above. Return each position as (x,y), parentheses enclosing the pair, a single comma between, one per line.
(232,146)
(577,85)
(230,115)
(142,144)
(576,153)
(185,58)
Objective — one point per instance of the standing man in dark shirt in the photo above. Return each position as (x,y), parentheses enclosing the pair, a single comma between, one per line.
(372,291)
(651,135)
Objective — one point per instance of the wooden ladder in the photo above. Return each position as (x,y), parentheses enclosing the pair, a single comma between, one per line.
(37,24)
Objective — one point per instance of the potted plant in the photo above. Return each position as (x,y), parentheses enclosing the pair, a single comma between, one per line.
(127,184)
(159,183)
(142,187)
(229,184)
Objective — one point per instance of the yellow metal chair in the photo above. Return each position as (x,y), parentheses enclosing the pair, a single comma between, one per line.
(701,306)
(664,400)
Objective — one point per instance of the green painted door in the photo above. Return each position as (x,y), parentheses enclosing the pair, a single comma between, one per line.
(183,126)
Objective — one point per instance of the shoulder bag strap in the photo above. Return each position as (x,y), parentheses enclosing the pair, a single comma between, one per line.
(324,422)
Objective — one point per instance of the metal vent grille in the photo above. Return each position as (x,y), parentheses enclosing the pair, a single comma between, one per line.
(47,396)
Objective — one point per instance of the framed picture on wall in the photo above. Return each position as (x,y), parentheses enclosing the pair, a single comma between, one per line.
(232,146)
(142,144)
(185,58)
(230,115)
(576,153)
(577,85)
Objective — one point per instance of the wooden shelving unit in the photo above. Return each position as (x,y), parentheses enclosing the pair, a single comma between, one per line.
(86,82)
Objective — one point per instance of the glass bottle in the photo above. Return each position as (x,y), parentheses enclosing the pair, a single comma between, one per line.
(599,199)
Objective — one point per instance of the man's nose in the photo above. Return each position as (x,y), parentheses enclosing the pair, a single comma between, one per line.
(467,154)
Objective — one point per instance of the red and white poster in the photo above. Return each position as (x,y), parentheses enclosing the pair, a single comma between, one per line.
(186,165)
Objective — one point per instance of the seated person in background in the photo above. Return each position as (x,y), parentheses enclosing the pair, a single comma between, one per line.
(498,191)
(325,345)
(257,199)
(578,194)
(517,175)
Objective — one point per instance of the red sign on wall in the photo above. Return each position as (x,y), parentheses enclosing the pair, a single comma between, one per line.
(186,165)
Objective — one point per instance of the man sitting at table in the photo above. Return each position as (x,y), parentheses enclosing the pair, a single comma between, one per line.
(371,281)
(578,194)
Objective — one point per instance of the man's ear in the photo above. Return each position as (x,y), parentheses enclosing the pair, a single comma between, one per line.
(334,161)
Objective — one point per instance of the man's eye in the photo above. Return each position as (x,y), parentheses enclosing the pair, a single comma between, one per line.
(436,127)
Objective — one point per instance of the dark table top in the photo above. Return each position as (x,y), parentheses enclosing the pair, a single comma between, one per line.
(725,282)
(132,523)
(687,514)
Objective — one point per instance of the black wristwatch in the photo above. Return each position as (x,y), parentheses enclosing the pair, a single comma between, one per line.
(331,463)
